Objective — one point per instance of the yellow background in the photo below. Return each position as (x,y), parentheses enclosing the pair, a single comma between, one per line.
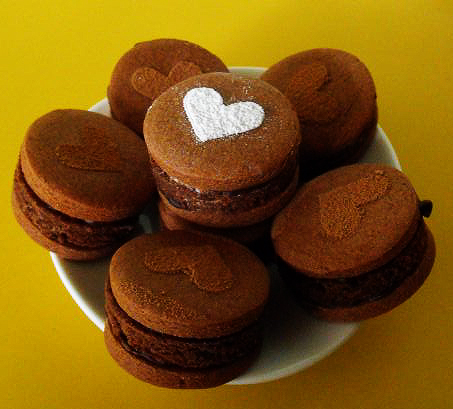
(61,54)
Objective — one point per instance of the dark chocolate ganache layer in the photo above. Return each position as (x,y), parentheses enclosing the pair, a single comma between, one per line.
(171,351)
(64,229)
(187,198)
(361,289)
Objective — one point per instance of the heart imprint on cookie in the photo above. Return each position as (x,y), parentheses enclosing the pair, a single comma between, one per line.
(342,208)
(212,119)
(151,83)
(191,261)
(92,153)
(312,103)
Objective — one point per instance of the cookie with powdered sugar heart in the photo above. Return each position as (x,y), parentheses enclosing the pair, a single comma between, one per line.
(224,149)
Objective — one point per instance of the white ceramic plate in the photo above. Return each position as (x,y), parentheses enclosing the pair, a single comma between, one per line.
(293,340)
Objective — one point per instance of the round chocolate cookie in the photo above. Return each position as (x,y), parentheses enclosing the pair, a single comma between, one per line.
(224,149)
(353,243)
(148,69)
(335,99)
(81,181)
(184,309)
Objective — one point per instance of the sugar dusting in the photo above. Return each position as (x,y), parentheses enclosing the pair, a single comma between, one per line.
(212,119)
(342,208)
(192,261)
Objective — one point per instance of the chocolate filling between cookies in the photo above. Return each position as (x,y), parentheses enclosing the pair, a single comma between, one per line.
(66,230)
(367,287)
(170,351)
(184,197)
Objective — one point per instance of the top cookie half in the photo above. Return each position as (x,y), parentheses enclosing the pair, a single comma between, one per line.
(253,149)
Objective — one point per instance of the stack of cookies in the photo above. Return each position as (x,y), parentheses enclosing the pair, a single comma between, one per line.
(246,170)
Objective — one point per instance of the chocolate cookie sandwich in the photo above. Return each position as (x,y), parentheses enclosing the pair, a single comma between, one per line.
(335,99)
(148,69)
(224,149)
(81,181)
(184,309)
(353,243)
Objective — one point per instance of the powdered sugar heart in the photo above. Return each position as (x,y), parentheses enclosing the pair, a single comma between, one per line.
(212,119)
